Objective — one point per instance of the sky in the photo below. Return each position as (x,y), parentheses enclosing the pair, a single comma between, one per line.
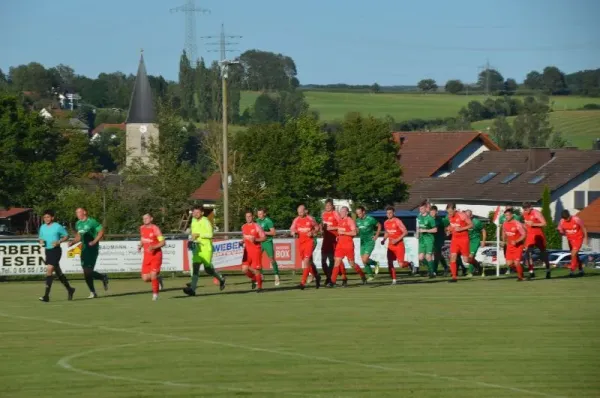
(391,42)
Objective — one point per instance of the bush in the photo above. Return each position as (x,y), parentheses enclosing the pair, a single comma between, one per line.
(591,107)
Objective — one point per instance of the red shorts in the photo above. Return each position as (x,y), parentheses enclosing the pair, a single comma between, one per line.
(396,252)
(344,251)
(306,249)
(460,246)
(514,253)
(151,263)
(536,240)
(252,258)
(575,244)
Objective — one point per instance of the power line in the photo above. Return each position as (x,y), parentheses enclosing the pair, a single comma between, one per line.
(223,43)
(190,10)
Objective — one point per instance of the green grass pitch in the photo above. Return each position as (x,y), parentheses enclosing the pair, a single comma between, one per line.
(477,338)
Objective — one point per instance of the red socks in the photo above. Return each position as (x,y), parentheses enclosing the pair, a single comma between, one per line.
(343,271)
(334,274)
(155,285)
(305,272)
(250,275)
(359,271)
(574,263)
(453,270)
(259,280)
(392,271)
(520,271)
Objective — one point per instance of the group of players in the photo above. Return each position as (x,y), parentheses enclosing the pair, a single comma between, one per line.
(338,229)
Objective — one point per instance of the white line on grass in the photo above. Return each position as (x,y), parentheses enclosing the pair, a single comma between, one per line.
(65,363)
(288,353)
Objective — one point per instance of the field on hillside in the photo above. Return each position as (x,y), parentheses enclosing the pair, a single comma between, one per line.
(580,128)
(333,106)
(477,338)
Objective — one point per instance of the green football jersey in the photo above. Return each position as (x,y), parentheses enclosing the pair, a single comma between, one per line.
(266,224)
(366,228)
(425,222)
(88,230)
(475,232)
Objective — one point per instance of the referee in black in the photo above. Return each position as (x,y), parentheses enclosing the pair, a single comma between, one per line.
(51,235)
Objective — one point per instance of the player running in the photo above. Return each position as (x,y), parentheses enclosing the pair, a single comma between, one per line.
(535,222)
(395,231)
(439,240)
(151,242)
(369,230)
(253,237)
(306,227)
(51,235)
(572,227)
(345,249)
(329,222)
(89,233)
(459,243)
(477,237)
(514,236)
(426,230)
(267,246)
(202,250)
(517,217)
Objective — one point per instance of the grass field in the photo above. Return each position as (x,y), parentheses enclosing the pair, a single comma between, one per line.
(333,106)
(580,128)
(477,338)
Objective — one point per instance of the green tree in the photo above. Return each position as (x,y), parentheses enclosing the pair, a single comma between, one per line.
(265,71)
(216,90)
(533,124)
(510,86)
(490,81)
(554,81)
(375,88)
(504,135)
(266,110)
(186,83)
(454,86)
(427,85)
(534,80)
(368,170)
(553,239)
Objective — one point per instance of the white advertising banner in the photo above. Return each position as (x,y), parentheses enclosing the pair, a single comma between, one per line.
(27,258)
(379,254)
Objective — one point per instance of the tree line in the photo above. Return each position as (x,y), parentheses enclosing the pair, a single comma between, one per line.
(551,81)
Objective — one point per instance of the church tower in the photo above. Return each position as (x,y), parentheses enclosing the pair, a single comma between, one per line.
(140,127)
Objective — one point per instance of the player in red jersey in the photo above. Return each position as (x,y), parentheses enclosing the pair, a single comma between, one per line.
(459,244)
(514,237)
(329,224)
(395,231)
(253,235)
(572,227)
(151,241)
(535,222)
(306,227)
(345,248)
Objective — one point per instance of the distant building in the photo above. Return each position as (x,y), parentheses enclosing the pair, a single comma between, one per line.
(63,120)
(590,216)
(100,129)
(18,220)
(141,128)
(69,101)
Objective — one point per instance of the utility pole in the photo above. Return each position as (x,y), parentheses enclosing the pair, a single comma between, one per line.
(190,10)
(225,63)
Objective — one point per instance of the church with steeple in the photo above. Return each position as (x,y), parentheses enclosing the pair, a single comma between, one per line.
(140,126)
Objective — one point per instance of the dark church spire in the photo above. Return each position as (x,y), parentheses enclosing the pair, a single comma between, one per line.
(141,107)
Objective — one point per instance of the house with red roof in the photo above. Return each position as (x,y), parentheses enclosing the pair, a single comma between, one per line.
(590,216)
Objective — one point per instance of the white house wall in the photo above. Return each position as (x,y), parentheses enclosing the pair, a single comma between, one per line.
(467,154)
(564,197)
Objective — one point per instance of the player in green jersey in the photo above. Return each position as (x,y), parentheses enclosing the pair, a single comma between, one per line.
(439,240)
(477,236)
(267,246)
(426,230)
(368,232)
(202,250)
(89,233)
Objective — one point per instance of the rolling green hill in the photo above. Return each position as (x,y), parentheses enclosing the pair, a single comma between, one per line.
(333,106)
(580,128)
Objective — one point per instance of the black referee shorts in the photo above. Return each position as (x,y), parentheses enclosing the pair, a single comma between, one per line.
(53,256)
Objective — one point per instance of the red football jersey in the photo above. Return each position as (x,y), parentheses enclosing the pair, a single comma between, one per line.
(572,229)
(394,228)
(459,220)
(252,230)
(150,236)
(534,216)
(331,219)
(346,225)
(513,230)
(303,226)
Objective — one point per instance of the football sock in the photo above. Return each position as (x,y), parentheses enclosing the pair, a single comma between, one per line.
(155,285)
(453,269)
(259,280)
(210,270)
(305,272)
(61,277)
(89,281)
(97,275)
(368,269)
(313,270)
(392,271)
(194,282)
(275,267)
(471,268)
(334,274)
(49,280)
(359,271)
(431,266)
(250,275)
(520,271)
(343,271)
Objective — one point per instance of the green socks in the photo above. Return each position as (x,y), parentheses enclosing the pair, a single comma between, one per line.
(431,266)
(368,269)
(194,282)
(275,267)
(210,270)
